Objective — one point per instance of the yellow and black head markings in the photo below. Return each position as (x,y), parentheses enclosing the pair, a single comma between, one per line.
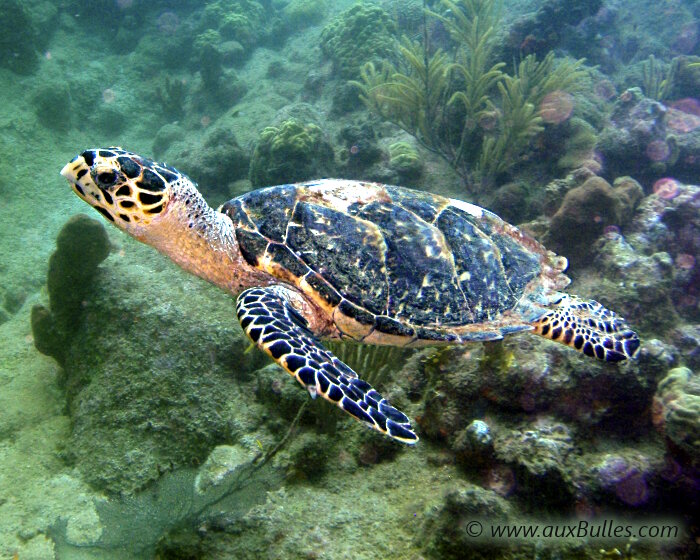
(346,259)
(123,187)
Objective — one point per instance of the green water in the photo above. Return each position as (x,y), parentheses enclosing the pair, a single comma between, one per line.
(154,431)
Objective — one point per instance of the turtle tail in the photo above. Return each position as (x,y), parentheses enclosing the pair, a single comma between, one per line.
(590,328)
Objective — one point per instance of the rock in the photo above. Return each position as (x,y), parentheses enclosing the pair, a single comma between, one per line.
(19,35)
(221,466)
(636,285)
(669,221)
(154,373)
(540,31)
(626,476)
(538,452)
(687,339)
(474,445)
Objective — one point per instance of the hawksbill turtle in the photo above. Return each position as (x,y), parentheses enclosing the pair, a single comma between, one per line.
(341,259)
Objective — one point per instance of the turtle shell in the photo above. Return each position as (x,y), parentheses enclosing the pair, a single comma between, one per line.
(398,266)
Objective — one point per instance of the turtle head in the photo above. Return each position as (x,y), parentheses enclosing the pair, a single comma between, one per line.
(159,206)
(131,191)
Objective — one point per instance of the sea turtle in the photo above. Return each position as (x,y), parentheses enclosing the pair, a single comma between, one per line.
(340,259)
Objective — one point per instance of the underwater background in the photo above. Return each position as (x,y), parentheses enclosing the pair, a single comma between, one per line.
(134,420)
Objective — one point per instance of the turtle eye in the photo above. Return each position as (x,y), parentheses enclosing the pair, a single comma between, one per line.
(106,178)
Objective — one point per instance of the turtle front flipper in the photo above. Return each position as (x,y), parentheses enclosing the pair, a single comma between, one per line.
(269,319)
(590,328)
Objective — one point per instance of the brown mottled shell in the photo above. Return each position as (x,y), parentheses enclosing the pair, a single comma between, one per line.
(396,266)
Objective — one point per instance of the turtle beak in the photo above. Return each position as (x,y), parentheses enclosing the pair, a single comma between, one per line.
(74,170)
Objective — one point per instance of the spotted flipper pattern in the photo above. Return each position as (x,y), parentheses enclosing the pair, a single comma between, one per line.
(590,328)
(269,319)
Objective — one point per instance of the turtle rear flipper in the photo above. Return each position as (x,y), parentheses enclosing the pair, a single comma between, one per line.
(590,328)
(269,319)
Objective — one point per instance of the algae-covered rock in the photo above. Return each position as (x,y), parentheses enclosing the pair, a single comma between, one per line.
(237,20)
(587,211)
(361,150)
(308,456)
(52,104)
(457,524)
(302,13)
(678,409)
(217,160)
(363,33)
(538,452)
(210,57)
(292,152)
(18,37)
(220,466)
(81,245)
(149,381)
(474,444)
(638,286)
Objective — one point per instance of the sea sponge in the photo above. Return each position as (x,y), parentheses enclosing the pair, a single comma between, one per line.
(81,245)
(361,34)
(289,153)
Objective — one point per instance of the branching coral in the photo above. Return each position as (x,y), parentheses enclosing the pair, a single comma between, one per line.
(469,111)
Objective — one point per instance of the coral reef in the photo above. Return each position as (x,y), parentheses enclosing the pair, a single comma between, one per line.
(292,152)
(361,34)
(542,29)
(453,108)
(649,140)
